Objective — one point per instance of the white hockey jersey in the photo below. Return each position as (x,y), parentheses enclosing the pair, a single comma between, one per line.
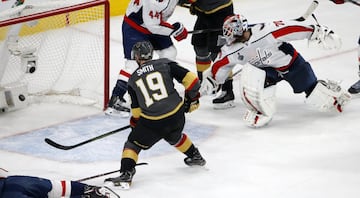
(151,15)
(267,47)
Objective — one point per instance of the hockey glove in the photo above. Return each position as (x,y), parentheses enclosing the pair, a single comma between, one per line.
(209,87)
(338,1)
(191,104)
(180,32)
(325,37)
(133,121)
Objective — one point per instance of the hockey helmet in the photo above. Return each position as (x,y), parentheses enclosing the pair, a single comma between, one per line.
(234,26)
(143,50)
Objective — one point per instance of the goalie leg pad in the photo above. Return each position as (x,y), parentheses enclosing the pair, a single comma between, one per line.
(253,93)
(255,119)
(260,101)
(328,96)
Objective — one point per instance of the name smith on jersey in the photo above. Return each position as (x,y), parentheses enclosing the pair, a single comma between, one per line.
(145,69)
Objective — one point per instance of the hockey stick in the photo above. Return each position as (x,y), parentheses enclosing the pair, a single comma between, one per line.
(353,2)
(64,147)
(204,31)
(107,173)
(308,12)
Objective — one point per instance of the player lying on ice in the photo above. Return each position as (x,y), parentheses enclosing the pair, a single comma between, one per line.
(20,186)
(272,59)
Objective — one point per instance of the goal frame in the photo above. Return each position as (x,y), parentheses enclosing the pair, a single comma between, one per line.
(66,9)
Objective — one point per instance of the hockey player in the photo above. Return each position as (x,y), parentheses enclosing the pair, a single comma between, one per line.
(355,88)
(272,59)
(210,15)
(145,20)
(21,186)
(157,110)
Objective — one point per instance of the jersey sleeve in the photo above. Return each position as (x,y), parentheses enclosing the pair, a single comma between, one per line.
(153,19)
(286,31)
(188,79)
(135,107)
(226,60)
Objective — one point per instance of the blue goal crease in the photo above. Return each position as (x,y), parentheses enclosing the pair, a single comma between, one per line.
(106,149)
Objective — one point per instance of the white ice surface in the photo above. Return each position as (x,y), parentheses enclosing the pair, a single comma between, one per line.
(301,154)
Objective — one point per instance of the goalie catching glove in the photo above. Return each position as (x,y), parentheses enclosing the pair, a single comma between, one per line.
(325,37)
(191,104)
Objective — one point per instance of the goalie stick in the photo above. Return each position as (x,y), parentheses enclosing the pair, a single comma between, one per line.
(107,173)
(64,147)
(308,12)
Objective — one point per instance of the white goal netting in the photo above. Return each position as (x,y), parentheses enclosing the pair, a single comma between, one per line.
(57,51)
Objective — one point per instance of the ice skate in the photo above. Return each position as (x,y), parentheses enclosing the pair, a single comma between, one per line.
(355,88)
(123,181)
(99,192)
(117,107)
(196,160)
(225,100)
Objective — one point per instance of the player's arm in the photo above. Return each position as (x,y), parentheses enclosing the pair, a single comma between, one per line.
(135,108)
(286,31)
(292,30)
(188,79)
(154,22)
(191,83)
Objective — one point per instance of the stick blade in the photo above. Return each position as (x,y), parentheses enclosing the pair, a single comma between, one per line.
(56,145)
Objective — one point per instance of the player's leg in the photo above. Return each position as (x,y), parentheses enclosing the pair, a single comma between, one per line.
(129,159)
(215,21)
(226,98)
(140,138)
(25,186)
(175,137)
(117,104)
(323,95)
(355,88)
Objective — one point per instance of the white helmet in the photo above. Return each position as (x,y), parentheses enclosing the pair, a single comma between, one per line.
(234,26)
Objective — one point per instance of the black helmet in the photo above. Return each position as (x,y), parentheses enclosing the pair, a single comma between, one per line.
(143,50)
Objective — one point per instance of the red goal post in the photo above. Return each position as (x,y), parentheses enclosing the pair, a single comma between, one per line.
(55,51)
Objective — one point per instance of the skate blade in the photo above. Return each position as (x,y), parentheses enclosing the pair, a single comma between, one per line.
(199,167)
(226,105)
(116,113)
(118,185)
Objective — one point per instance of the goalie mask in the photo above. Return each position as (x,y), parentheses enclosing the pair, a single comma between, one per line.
(142,50)
(234,27)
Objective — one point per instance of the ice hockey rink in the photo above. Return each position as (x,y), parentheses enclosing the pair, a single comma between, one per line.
(302,153)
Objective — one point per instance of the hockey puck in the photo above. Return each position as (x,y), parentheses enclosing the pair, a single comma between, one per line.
(21,97)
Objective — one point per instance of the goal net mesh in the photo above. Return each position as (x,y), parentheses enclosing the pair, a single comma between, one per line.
(58,49)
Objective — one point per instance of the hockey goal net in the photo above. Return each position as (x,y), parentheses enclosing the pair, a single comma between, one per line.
(55,51)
